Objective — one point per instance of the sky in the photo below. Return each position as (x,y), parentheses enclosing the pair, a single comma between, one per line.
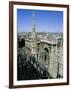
(45,20)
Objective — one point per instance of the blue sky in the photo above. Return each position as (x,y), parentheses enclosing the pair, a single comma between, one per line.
(45,21)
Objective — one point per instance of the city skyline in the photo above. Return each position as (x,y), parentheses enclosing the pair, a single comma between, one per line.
(45,21)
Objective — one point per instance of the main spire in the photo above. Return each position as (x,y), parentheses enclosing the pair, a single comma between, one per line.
(33,23)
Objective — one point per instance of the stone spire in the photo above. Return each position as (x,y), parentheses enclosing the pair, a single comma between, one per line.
(34,37)
(33,26)
(33,22)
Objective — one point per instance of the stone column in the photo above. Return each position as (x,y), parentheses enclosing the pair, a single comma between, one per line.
(61,62)
(53,65)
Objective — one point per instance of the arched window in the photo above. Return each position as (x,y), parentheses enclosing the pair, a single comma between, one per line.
(46,56)
(46,49)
